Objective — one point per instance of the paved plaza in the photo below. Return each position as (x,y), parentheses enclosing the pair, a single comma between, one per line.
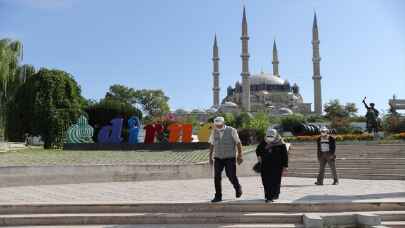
(295,190)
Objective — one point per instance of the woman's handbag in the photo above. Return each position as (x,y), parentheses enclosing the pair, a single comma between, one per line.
(257,167)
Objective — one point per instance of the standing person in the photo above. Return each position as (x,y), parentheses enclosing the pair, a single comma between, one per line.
(326,154)
(273,156)
(225,142)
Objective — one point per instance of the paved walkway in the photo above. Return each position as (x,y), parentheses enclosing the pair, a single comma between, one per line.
(298,190)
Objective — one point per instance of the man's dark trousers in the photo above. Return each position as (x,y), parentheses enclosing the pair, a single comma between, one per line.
(230,169)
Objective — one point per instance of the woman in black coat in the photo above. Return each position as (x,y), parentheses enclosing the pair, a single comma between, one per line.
(272,154)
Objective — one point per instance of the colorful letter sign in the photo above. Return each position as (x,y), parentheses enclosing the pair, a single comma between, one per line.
(151,130)
(134,125)
(81,132)
(111,134)
(205,132)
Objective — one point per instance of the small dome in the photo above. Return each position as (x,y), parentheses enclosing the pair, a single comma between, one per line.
(267,79)
(197,111)
(180,112)
(285,111)
(229,104)
(211,110)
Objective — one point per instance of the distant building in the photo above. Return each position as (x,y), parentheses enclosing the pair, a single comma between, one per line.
(266,92)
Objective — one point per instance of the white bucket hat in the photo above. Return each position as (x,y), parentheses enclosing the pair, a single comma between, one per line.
(219,120)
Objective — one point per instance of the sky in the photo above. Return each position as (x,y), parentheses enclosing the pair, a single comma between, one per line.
(167,44)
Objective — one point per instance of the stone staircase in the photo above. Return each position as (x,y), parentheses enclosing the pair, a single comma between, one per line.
(230,215)
(358,161)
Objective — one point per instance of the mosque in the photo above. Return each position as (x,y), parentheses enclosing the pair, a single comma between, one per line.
(266,92)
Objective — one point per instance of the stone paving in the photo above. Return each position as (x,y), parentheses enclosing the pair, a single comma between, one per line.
(297,190)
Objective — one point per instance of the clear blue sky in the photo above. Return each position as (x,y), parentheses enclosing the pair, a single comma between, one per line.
(167,44)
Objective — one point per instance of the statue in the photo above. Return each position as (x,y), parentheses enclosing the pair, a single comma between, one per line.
(81,132)
(371,116)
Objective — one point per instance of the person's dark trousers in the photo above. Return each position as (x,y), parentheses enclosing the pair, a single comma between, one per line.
(326,158)
(230,169)
(271,179)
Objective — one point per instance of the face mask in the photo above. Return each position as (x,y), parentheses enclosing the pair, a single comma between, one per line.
(220,128)
(269,139)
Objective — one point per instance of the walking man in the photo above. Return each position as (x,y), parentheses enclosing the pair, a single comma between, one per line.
(225,142)
(326,154)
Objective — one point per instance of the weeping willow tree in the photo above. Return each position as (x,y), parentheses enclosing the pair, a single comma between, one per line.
(11,75)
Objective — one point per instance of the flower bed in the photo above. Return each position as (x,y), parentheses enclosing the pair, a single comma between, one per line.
(399,136)
(345,137)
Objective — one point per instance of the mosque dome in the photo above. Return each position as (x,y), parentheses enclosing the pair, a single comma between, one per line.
(228,107)
(229,104)
(212,110)
(196,111)
(285,111)
(266,79)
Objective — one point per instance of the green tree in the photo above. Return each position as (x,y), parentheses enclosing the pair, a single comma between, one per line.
(11,53)
(154,102)
(242,120)
(46,105)
(122,94)
(260,122)
(292,121)
(339,114)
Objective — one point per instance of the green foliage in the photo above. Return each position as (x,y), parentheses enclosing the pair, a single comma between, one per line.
(358,119)
(313,118)
(292,121)
(46,105)
(248,136)
(10,56)
(339,114)
(394,123)
(153,102)
(100,114)
(260,122)
(229,119)
(242,120)
(122,94)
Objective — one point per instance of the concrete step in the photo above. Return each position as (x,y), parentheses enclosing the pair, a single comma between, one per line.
(234,206)
(394,224)
(344,165)
(368,176)
(352,170)
(246,225)
(392,216)
(149,218)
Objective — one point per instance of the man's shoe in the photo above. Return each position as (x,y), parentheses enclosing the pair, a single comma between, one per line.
(238,193)
(335,182)
(216,199)
(317,183)
(269,200)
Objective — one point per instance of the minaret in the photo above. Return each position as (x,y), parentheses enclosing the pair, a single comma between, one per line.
(316,59)
(275,60)
(215,73)
(245,65)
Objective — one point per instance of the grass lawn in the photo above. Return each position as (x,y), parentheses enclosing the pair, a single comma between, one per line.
(41,157)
